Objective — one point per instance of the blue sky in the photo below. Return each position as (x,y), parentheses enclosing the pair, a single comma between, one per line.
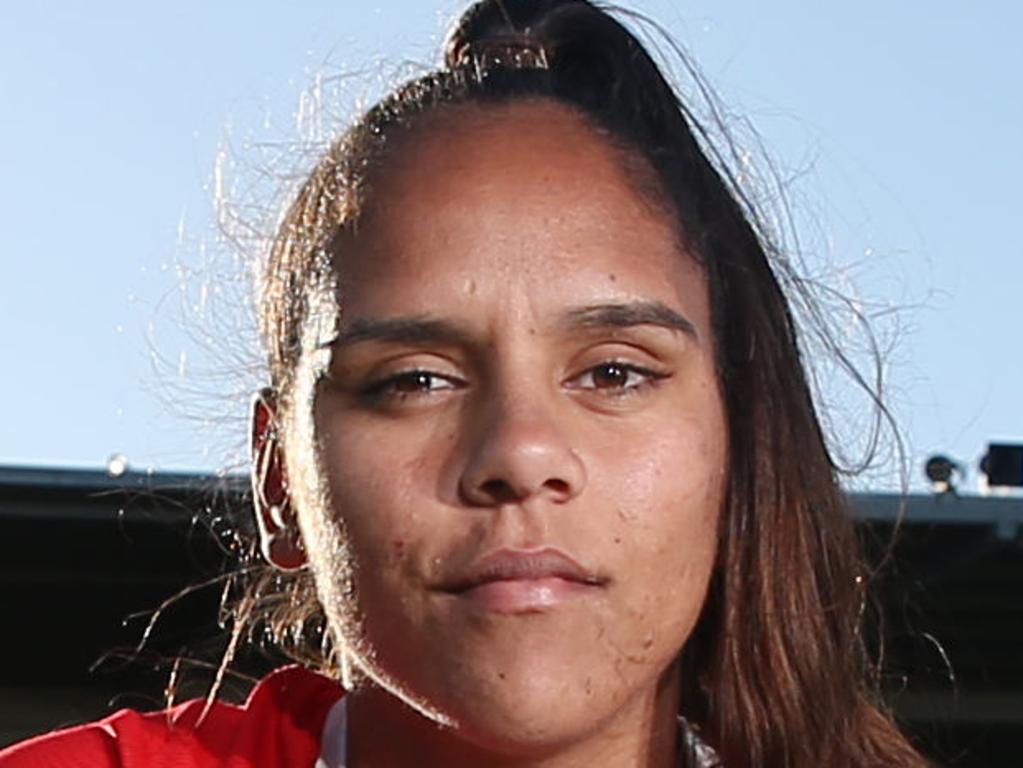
(897,126)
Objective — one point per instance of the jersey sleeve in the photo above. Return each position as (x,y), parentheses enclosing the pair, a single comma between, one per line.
(88,746)
(126,739)
(280,724)
(95,745)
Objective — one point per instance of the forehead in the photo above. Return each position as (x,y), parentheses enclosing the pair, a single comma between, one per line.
(527,191)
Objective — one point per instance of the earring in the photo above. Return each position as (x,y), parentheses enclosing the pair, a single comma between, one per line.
(276,514)
(285,529)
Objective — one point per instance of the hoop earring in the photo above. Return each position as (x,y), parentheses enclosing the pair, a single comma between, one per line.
(276,513)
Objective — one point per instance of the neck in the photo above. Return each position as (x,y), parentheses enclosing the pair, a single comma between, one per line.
(642,733)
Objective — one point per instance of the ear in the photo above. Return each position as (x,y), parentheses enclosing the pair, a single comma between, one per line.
(279,538)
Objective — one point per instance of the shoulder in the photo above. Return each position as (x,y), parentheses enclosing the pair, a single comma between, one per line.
(279,724)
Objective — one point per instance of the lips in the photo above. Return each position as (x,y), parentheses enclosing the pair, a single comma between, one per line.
(517,581)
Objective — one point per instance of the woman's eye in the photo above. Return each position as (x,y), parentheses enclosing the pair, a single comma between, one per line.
(616,377)
(410,383)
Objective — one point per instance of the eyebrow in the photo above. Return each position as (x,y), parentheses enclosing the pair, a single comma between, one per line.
(415,329)
(627,315)
(425,329)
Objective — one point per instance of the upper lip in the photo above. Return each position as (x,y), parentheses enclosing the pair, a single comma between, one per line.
(519,564)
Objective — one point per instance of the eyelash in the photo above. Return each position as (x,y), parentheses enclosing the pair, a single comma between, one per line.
(386,388)
(649,376)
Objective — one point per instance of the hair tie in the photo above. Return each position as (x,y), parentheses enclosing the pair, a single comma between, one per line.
(503,53)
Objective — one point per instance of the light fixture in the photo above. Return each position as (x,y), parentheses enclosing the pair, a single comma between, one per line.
(940,470)
(1003,464)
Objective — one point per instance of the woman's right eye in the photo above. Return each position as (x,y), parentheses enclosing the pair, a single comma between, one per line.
(406,384)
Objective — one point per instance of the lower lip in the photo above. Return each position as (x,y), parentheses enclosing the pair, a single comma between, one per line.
(526,595)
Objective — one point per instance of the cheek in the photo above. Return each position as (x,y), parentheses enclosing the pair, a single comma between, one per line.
(668,492)
(379,497)
(665,480)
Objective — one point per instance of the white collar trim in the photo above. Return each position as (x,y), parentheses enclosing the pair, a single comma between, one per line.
(334,742)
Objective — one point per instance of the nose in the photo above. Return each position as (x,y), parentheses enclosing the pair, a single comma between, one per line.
(520,453)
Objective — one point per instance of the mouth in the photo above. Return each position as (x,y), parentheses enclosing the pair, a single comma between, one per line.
(524,581)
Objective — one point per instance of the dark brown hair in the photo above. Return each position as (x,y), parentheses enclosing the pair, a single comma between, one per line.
(776,672)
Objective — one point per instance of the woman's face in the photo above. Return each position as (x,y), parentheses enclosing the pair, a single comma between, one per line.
(521,432)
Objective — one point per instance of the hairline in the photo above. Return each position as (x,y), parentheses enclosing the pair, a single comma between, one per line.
(637,169)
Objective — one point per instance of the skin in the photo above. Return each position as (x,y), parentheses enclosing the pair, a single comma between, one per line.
(503,222)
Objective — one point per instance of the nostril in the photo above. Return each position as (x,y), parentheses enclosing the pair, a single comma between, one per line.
(499,491)
(560,487)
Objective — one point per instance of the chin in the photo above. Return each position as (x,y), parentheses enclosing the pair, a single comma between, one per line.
(525,719)
(528,696)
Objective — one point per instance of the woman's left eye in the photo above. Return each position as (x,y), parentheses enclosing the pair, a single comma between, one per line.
(615,377)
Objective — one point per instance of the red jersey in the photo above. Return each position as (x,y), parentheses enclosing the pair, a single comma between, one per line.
(281,724)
